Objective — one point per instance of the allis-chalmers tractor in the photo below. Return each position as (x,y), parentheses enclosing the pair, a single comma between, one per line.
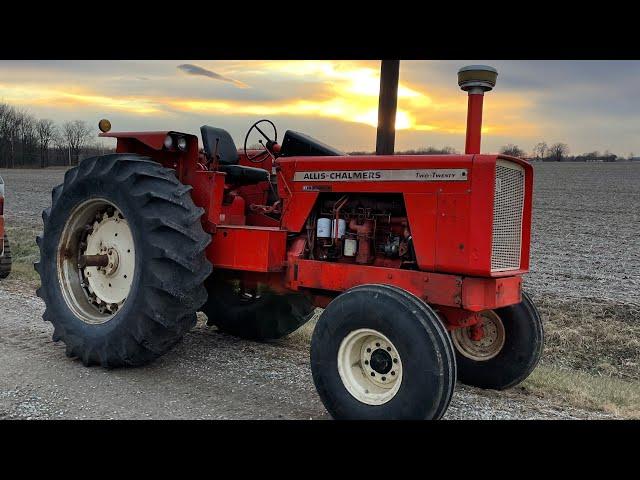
(5,250)
(416,259)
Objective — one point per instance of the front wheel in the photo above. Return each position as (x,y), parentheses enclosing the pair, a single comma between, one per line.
(379,352)
(509,350)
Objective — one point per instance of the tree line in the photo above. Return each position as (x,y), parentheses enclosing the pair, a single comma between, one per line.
(559,152)
(26,141)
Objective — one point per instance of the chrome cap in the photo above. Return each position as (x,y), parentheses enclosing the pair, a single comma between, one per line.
(481,77)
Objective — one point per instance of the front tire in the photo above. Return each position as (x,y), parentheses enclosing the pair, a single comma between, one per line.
(519,335)
(5,260)
(381,353)
(138,215)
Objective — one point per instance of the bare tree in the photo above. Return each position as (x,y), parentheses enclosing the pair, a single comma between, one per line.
(11,133)
(76,134)
(512,150)
(5,113)
(540,150)
(46,131)
(28,137)
(558,151)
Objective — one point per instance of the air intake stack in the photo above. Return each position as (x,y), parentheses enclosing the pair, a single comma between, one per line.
(475,80)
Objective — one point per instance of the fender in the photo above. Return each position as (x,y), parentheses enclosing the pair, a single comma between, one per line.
(151,144)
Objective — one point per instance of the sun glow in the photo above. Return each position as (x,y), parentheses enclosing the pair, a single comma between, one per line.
(343,91)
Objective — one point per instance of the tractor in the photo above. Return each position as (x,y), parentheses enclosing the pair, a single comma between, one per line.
(417,260)
(5,249)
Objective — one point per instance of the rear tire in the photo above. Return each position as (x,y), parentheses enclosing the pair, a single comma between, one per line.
(379,352)
(5,260)
(269,317)
(521,350)
(164,256)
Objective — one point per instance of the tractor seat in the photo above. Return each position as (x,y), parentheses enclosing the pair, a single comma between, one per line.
(242,175)
(218,141)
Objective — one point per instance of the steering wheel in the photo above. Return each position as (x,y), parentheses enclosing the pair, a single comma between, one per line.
(261,156)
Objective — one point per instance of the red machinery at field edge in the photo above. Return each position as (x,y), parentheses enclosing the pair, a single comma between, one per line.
(406,252)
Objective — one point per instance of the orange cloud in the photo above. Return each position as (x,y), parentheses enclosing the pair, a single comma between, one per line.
(349,94)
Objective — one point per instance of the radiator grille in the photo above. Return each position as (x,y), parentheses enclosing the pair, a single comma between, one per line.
(508,205)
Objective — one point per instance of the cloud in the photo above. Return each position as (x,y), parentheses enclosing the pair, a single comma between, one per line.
(191,69)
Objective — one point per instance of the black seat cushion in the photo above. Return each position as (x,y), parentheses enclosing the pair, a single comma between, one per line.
(218,140)
(241,175)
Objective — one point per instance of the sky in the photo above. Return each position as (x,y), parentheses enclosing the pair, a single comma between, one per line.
(590,105)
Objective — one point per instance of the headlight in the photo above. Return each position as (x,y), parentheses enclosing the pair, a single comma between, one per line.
(182,143)
(168,142)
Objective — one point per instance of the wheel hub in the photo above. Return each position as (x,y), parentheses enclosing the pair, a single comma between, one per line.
(481,342)
(381,361)
(96,263)
(369,366)
(110,236)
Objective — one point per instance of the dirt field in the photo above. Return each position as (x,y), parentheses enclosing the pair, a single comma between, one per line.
(584,277)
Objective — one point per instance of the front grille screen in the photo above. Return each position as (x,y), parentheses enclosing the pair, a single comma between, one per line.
(508,205)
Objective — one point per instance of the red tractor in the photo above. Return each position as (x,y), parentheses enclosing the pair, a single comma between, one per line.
(5,250)
(417,260)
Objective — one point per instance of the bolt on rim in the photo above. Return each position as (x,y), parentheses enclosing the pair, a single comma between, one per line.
(96,261)
(491,343)
(369,366)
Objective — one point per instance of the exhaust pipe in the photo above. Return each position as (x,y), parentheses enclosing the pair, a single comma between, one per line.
(475,79)
(387,106)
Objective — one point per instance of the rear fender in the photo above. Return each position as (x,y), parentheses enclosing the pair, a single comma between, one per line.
(151,144)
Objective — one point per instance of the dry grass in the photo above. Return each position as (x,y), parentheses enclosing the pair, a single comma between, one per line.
(25,253)
(608,394)
(591,335)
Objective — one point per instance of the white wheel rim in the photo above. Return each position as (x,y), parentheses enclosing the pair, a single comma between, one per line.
(96,294)
(488,346)
(369,366)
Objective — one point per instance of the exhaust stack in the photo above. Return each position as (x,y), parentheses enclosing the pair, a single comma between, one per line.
(387,106)
(475,79)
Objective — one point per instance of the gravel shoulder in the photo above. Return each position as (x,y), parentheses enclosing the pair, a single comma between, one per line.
(209,375)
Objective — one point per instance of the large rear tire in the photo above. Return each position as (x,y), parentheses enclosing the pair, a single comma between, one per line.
(143,219)
(379,352)
(5,260)
(268,316)
(509,351)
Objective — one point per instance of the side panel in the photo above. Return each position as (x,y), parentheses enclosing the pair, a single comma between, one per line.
(421,212)
(253,249)
(207,192)
(297,209)
(452,250)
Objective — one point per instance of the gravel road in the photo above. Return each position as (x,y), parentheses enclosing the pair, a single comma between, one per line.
(209,375)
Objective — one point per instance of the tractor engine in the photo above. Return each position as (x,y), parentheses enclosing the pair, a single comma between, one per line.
(360,229)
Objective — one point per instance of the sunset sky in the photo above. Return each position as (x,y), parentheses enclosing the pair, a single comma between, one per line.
(590,105)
